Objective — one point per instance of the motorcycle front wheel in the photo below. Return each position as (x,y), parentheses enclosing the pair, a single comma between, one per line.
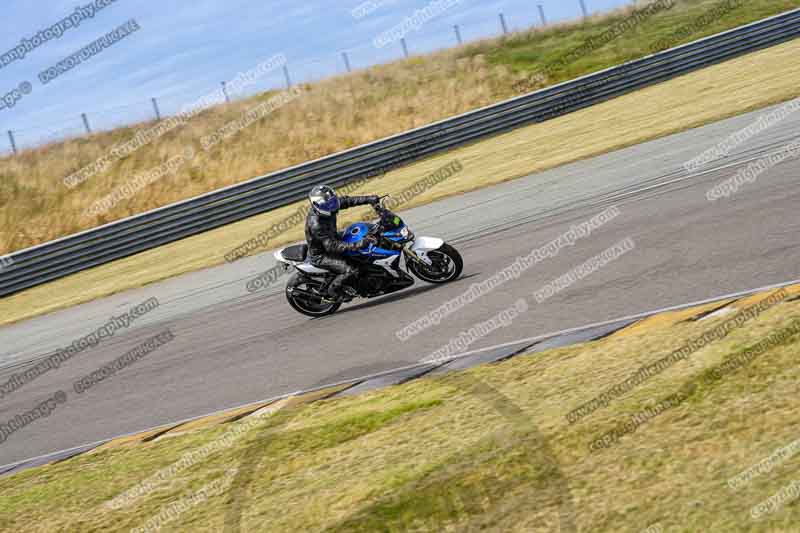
(447,266)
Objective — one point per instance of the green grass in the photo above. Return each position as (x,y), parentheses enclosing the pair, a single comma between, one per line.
(545,51)
(487,449)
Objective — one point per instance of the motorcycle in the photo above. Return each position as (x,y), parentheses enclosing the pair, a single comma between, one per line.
(379,265)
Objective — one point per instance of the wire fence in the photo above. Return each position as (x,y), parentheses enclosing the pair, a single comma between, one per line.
(434,37)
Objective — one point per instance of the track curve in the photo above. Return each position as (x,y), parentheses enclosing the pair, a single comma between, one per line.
(233,347)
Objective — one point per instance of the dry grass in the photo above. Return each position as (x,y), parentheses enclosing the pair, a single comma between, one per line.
(487,449)
(332,115)
(739,85)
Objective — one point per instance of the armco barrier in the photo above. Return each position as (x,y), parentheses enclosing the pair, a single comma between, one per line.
(59,258)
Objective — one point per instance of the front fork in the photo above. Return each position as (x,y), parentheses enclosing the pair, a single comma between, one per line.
(411,255)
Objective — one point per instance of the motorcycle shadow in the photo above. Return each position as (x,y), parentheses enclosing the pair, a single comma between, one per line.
(402,295)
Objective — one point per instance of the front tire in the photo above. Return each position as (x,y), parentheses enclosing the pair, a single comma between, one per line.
(447,266)
(304,305)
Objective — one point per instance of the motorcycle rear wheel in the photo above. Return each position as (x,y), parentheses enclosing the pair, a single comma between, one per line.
(303,304)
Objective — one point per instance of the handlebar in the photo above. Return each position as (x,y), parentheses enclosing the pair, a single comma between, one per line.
(380,209)
(379,206)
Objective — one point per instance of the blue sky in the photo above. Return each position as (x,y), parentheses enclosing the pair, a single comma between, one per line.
(184,49)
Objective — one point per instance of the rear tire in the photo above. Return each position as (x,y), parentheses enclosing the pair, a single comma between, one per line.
(448,257)
(304,305)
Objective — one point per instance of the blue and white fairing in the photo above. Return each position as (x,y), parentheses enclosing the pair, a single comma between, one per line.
(356,233)
(395,230)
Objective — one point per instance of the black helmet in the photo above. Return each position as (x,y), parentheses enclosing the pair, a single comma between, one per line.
(324,200)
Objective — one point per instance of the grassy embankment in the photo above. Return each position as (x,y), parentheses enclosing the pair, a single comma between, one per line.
(333,115)
(486,449)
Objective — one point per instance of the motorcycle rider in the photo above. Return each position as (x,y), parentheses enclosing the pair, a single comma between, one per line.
(325,245)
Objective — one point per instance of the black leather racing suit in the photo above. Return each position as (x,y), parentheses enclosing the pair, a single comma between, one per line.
(325,246)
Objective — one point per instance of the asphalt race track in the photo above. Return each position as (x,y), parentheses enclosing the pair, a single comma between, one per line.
(232,347)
